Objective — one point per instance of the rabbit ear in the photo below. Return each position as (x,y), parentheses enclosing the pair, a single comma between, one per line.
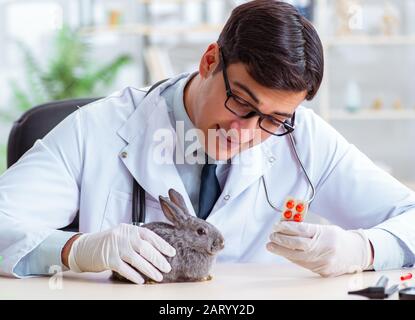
(178,200)
(172,211)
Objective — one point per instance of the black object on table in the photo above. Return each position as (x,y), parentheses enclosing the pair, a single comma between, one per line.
(378,291)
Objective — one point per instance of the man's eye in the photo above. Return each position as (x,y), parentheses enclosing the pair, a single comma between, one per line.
(276,118)
(241,101)
(281,119)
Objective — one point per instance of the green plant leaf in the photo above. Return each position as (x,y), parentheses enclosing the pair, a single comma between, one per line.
(3,157)
(21,101)
(67,73)
(34,74)
(105,75)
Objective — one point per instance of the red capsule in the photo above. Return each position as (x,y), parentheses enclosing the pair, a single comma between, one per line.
(288,214)
(406,277)
(299,207)
(290,204)
(298,217)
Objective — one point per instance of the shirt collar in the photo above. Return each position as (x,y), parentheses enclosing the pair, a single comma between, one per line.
(191,147)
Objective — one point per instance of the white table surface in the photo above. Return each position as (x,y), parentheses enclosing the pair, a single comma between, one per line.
(230,281)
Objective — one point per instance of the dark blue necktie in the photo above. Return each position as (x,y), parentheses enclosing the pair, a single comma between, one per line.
(209,190)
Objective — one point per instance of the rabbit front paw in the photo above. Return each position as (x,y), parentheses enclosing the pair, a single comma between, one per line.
(207,278)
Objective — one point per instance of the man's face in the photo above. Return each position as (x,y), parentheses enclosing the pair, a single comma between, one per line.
(210,115)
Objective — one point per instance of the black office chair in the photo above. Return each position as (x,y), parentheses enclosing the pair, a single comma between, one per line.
(35,124)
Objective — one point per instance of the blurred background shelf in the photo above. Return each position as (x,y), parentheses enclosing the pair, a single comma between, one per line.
(368,90)
(373,115)
(370,40)
(159,28)
(147,30)
(165,1)
(368,44)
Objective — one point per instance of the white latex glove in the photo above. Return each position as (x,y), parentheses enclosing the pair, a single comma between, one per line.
(114,248)
(325,249)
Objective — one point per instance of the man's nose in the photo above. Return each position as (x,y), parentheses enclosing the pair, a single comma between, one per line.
(249,123)
(244,128)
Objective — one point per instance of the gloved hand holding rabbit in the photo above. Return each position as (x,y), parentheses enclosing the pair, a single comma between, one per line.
(182,251)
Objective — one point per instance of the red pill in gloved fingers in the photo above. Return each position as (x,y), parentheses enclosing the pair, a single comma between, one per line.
(298,217)
(406,277)
(288,214)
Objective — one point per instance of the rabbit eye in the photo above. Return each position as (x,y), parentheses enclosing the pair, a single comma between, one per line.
(201,231)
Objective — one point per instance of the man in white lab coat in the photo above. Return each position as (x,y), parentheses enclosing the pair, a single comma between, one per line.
(267,60)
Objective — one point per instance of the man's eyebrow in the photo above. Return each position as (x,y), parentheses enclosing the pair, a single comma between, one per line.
(288,115)
(254,97)
(246,89)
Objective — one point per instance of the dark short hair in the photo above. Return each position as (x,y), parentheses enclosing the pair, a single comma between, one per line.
(280,47)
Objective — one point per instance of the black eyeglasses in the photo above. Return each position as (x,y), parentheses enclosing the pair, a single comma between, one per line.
(245,110)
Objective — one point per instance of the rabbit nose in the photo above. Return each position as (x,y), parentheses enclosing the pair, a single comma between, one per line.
(222,244)
(218,244)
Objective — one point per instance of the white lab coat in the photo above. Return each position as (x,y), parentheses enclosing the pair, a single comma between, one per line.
(79,166)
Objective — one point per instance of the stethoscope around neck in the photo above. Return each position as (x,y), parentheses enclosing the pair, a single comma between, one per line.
(138,204)
(313,191)
(139,194)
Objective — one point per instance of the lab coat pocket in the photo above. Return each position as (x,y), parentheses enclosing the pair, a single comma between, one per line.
(151,202)
(118,209)
(153,210)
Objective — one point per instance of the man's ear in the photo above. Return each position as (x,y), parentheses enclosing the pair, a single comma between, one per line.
(210,60)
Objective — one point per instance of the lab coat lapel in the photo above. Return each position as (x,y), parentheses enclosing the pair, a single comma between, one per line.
(247,167)
(145,132)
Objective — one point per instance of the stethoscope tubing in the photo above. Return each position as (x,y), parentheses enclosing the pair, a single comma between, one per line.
(139,195)
(139,207)
(313,191)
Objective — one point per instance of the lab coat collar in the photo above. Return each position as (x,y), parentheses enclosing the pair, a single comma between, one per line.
(145,109)
(140,131)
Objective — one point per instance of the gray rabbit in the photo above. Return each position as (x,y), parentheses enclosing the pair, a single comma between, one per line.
(196,242)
